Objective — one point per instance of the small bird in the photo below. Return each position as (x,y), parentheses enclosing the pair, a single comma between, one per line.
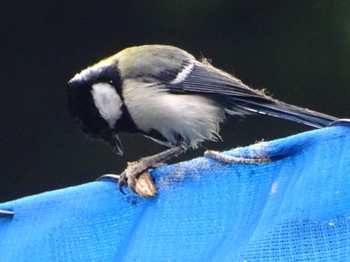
(167,95)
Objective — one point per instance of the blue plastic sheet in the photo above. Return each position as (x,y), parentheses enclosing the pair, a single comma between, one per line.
(295,208)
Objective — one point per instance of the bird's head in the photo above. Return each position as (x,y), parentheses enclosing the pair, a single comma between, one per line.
(95,100)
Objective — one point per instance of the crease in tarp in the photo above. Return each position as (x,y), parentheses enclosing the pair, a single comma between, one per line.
(297,207)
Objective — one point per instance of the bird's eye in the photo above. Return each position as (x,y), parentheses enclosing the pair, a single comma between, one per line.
(111,81)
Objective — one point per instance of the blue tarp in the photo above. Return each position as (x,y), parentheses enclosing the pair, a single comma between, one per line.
(295,208)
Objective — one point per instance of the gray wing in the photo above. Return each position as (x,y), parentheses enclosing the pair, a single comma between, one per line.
(239,99)
(203,78)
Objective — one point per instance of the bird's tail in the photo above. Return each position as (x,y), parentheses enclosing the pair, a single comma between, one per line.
(271,107)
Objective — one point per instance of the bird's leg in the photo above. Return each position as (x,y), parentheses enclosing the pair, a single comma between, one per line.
(134,169)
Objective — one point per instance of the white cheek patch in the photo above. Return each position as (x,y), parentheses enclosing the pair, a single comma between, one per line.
(108,102)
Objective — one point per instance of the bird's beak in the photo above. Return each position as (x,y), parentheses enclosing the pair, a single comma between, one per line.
(114,140)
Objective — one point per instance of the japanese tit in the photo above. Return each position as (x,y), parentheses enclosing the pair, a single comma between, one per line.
(167,95)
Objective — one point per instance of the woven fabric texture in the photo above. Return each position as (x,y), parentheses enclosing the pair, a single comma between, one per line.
(294,208)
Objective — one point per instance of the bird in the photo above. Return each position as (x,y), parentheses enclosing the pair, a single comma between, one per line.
(169,96)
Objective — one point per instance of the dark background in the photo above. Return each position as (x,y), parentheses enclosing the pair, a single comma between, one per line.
(298,50)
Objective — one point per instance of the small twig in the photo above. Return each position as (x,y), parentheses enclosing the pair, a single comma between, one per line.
(235,160)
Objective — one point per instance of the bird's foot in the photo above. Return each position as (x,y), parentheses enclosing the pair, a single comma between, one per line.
(137,178)
(136,175)
(235,160)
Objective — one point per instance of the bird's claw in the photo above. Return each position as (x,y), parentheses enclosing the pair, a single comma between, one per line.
(121,178)
(131,173)
(129,176)
(122,181)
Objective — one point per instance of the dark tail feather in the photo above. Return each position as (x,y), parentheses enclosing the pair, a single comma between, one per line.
(282,110)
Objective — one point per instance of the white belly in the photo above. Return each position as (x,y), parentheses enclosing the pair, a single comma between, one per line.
(193,117)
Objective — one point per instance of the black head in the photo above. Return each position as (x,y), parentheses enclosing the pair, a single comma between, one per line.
(95,100)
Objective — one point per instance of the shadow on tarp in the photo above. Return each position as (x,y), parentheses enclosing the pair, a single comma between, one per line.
(296,207)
